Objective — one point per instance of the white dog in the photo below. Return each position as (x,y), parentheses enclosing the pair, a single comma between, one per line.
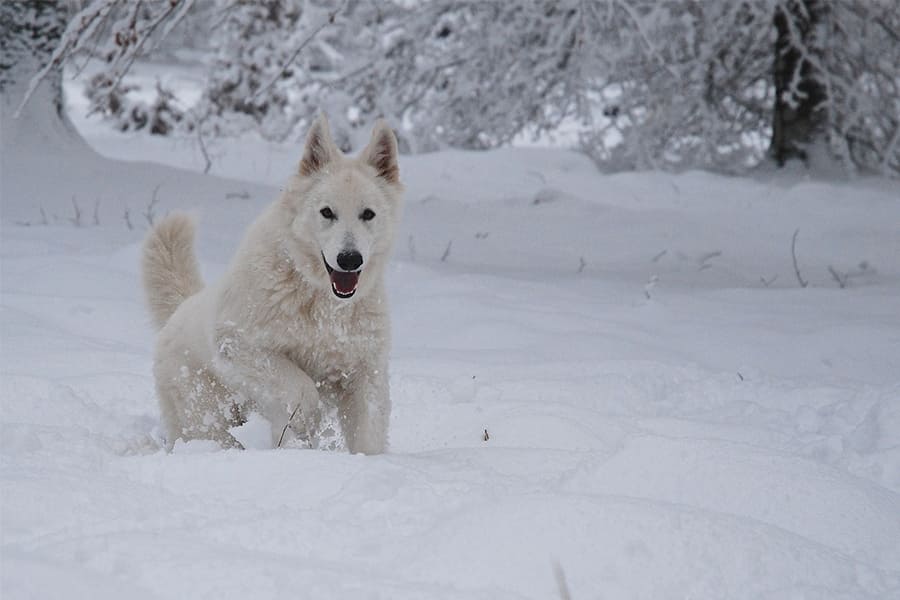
(299,318)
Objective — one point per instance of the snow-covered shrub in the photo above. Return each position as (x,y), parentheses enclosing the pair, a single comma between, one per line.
(649,83)
(29,32)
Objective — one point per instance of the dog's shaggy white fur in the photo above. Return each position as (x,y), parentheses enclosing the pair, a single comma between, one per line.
(300,317)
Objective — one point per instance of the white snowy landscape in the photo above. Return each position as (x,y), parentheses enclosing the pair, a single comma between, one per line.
(605,386)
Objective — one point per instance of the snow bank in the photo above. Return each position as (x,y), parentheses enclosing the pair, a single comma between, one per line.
(669,414)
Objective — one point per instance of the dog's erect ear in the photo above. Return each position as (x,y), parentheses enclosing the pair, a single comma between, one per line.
(381,153)
(320,149)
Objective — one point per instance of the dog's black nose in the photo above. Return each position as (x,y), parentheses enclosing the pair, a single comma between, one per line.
(350,261)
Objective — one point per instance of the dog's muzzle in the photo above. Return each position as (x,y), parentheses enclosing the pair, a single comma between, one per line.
(343,283)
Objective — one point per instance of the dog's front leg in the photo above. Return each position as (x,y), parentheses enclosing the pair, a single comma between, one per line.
(272,383)
(365,411)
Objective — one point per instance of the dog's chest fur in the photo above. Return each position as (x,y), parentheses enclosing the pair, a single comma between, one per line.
(276,309)
(332,345)
(331,340)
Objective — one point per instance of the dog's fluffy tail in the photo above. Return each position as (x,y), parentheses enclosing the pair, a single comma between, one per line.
(169,266)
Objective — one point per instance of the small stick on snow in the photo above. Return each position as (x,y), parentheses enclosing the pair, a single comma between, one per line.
(703,261)
(841,278)
(446,251)
(76,220)
(803,283)
(768,282)
(561,584)
(651,283)
(203,150)
(486,436)
(288,424)
(150,212)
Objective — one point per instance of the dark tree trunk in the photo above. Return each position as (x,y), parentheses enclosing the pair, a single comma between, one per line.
(799,119)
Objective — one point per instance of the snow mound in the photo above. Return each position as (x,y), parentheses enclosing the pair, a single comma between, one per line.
(617,375)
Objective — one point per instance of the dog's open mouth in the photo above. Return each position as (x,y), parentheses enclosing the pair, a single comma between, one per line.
(343,283)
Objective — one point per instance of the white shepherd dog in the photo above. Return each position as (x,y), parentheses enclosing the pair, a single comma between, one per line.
(299,321)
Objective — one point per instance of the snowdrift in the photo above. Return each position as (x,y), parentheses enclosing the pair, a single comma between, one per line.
(668,413)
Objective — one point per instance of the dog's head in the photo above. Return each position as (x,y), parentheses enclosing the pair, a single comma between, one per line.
(344,210)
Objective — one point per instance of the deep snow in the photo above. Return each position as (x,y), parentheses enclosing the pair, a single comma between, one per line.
(669,414)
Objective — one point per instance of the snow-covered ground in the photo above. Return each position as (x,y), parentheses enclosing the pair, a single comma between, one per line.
(670,415)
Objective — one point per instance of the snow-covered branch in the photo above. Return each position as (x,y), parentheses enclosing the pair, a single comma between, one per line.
(661,83)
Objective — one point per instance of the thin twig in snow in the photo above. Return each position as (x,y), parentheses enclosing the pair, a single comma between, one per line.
(446,251)
(703,260)
(561,585)
(841,278)
(203,151)
(150,211)
(768,282)
(76,219)
(803,283)
(651,283)
(288,424)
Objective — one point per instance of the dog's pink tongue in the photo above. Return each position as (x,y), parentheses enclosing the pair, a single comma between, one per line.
(344,282)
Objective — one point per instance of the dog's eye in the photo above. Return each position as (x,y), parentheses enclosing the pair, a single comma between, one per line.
(328,213)
(367,215)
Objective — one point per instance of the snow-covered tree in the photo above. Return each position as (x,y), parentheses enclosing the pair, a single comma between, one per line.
(276,64)
(650,83)
(860,72)
(682,84)
(30,31)
(728,83)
